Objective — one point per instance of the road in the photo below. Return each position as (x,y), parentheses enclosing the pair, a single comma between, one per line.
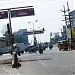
(52,62)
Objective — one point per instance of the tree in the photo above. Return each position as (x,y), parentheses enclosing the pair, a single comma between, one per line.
(3,30)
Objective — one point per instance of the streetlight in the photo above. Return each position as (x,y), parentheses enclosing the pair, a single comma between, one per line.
(61,33)
(35,41)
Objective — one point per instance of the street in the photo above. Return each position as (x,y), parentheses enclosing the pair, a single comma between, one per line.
(52,62)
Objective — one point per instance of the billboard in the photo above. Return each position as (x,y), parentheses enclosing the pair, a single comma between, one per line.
(3,14)
(22,12)
(27,33)
(17,13)
(73,30)
(35,32)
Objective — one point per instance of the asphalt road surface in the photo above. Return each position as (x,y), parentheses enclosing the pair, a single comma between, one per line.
(52,62)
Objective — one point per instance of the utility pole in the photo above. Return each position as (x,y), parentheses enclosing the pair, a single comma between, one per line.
(69,21)
(35,41)
(61,33)
(64,11)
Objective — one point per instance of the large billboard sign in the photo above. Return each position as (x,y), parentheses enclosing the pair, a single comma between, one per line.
(22,12)
(3,14)
(17,13)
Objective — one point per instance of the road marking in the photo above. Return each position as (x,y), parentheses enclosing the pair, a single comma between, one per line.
(11,71)
(43,64)
(7,71)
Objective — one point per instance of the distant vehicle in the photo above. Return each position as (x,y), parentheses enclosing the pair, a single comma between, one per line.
(50,45)
(40,49)
(31,49)
(63,45)
(46,44)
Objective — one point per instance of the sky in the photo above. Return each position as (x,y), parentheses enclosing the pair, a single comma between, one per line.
(47,12)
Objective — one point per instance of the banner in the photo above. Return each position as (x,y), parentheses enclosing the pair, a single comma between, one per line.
(73,30)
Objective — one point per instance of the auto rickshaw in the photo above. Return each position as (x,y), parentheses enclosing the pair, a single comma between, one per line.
(63,45)
(60,45)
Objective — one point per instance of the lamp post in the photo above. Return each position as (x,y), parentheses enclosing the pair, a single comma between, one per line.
(35,41)
(61,33)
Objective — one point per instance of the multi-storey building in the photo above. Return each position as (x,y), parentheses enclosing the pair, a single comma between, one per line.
(19,37)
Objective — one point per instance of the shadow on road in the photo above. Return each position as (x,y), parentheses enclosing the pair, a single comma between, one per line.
(29,60)
(7,61)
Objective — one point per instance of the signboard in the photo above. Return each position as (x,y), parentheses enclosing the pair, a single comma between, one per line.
(73,30)
(35,32)
(3,14)
(22,12)
(27,33)
(38,32)
(17,13)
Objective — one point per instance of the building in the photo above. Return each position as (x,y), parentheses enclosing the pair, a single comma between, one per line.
(19,37)
(2,42)
(69,30)
(64,35)
(72,16)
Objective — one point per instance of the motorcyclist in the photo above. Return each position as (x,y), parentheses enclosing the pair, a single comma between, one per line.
(40,49)
(50,45)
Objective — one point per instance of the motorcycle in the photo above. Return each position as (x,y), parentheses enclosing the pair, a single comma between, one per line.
(41,51)
(50,47)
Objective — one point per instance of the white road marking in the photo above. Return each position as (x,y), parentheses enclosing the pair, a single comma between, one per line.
(7,71)
(43,64)
(11,71)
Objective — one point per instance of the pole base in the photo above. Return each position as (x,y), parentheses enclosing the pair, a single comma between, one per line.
(15,62)
(16,65)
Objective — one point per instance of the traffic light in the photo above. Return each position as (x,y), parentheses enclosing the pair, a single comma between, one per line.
(8,28)
(35,41)
(43,29)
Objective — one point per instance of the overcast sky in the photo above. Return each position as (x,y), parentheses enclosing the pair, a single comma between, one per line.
(47,12)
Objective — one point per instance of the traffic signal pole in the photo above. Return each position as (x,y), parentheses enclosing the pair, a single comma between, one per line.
(9,17)
(6,13)
(15,62)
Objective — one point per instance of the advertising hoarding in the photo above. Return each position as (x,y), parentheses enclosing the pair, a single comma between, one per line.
(17,13)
